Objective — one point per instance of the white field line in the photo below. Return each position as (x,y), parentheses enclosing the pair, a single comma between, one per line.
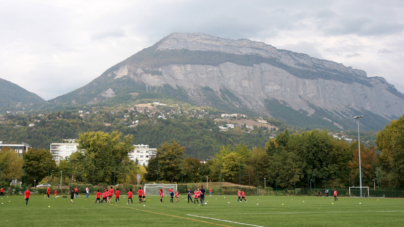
(233,222)
(327,212)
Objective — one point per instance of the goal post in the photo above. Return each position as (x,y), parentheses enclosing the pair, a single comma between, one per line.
(153,189)
(356,191)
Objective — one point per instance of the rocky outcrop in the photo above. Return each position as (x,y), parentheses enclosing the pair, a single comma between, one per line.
(246,74)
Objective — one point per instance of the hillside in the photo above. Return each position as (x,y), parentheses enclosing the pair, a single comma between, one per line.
(247,77)
(14,97)
(153,124)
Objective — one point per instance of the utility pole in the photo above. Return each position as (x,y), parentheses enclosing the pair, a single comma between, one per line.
(359,148)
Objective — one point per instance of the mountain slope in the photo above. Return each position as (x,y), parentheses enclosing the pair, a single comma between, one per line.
(248,77)
(14,97)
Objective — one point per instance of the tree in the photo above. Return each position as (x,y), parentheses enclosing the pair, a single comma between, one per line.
(368,164)
(390,141)
(230,166)
(192,171)
(37,164)
(260,162)
(10,164)
(107,153)
(170,157)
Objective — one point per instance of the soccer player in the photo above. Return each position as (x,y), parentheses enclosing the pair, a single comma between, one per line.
(104,196)
(87,192)
(117,193)
(239,195)
(27,193)
(171,196)
(1,192)
(140,193)
(196,195)
(243,195)
(176,197)
(98,197)
(189,195)
(130,196)
(144,196)
(76,191)
(335,195)
(72,195)
(110,194)
(161,195)
(210,191)
(56,193)
(48,192)
(202,194)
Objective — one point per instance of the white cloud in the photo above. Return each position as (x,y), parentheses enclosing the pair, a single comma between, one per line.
(53,47)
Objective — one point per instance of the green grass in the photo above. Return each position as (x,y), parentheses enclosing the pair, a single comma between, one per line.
(269,212)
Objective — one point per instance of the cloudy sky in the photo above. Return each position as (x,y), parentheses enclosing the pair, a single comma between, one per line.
(53,47)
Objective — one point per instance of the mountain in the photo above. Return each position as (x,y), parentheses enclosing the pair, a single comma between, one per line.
(14,97)
(247,77)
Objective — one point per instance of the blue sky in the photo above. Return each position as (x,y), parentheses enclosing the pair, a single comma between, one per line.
(54,47)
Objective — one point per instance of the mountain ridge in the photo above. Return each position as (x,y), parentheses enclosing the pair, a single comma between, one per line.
(242,74)
(13,97)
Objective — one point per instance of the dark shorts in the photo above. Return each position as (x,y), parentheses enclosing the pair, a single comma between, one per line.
(98,199)
(243,197)
(144,196)
(140,196)
(239,197)
(72,197)
(77,193)
(27,199)
(335,196)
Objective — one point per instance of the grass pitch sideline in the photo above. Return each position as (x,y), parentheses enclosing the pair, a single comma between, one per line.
(219,211)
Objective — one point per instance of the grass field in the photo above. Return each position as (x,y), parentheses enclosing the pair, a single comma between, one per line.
(219,211)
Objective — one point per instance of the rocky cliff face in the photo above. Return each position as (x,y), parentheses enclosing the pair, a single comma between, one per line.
(252,77)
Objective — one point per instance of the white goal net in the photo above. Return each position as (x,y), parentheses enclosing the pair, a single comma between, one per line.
(356,191)
(153,189)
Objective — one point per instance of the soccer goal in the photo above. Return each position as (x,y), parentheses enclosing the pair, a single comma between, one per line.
(153,189)
(356,191)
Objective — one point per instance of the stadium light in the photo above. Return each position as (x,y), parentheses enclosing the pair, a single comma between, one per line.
(359,147)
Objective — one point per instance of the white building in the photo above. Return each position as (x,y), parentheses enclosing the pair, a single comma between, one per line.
(142,153)
(20,149)
(62,151)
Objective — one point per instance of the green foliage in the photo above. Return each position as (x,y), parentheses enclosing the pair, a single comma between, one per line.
(10,165)
(170,157)
(390,141)
(37,164)
(104,153)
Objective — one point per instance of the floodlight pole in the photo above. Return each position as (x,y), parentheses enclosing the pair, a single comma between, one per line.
(359,147)
(61,177)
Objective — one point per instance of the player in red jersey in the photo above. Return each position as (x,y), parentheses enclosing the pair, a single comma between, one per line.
(144,196)
(104,196)
(56,193)
(130,196)
(140,194)
(196,196)
(76,191)
(110,194)
(243,195)
(161,195)
(210,191)
(176,197)
(239,195)
(117,193)
(2,192)
(48,192)
(27,193)
(335,195)
(98,194)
